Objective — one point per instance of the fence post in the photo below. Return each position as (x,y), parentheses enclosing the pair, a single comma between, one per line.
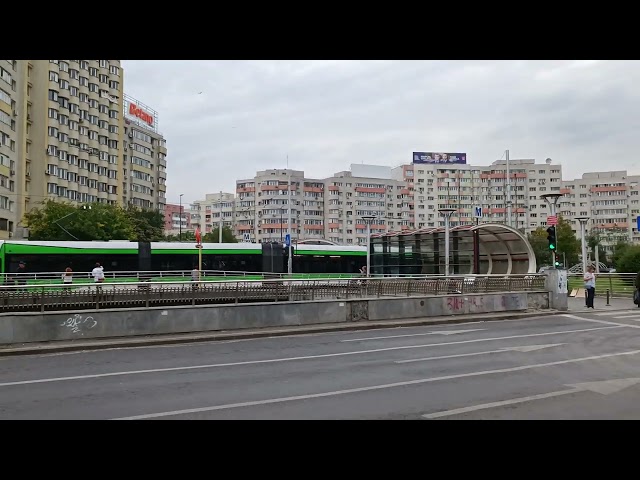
(608,305)
(237,292)
(610,285)
(147,292)
(42,300)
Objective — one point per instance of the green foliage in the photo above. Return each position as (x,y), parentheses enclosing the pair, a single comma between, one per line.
(619,250)
(187,236)
(213,237)
(58,221)
(629,261)
(148,225)
(567,244)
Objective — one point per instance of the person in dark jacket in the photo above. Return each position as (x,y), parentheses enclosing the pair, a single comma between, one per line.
(636,293)
(21,278)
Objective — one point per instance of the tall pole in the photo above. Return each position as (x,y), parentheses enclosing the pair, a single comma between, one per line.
(508,192)
(220,226)
(368,248)
(180,235)
(446,213)
(289,196)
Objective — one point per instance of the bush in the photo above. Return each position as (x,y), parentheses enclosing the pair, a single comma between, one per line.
(630,260)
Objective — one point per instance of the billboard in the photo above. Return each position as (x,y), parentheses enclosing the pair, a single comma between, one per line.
(440,157)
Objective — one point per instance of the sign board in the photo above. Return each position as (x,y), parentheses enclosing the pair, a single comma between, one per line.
(638,223)
(562,281)
(552,220)
(287,239)
(246,237)
(477,212)
(138,112)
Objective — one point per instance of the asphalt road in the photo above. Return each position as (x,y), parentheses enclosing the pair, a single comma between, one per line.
(583,365)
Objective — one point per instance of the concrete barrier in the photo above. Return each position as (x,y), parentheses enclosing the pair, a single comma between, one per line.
(57,326)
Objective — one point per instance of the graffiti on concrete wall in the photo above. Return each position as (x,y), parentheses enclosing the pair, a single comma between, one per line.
(79,323)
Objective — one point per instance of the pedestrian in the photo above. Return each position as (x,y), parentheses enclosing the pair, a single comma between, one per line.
(98,273)
(21,278)
(590,285)
(67,276)
(636,293)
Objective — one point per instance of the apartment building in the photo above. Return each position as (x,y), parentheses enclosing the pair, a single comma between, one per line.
(11,149)
(172,219)
(464,186)
(320,209)
(216,208)
(610,201)
(367,194)
(144,157)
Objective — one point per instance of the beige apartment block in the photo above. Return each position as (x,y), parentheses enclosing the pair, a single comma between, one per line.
(207,214)
(367,194)
(610,201)
(12,126)
(145,157)
(465,187)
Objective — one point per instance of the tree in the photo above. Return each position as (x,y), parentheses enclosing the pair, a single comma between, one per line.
(187,236)
(619,250)
(214,236)
(568,244)
(630,260)
(148,225)
(63,221)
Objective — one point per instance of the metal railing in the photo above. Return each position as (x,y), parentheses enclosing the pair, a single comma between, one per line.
(157,276)
(56,297)
(618,284)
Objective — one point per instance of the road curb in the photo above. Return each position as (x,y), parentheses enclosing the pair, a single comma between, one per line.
(110,343)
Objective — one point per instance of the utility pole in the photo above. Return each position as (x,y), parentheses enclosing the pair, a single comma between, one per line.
(508,192)
(220,226)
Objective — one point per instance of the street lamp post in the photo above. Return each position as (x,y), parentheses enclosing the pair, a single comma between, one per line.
(289,229)
(552,200)
(180,235)
(583,241)
(220,224)
(368,219)
(446,213)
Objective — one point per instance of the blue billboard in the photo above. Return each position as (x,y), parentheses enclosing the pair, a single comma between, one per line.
(440,158)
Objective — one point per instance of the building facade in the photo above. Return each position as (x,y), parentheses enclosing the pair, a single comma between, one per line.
(609,200)
(172,216)
(145,157)
(465,187)
(216,208)
(63,125)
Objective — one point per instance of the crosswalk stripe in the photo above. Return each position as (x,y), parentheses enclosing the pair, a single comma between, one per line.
(628,317)
(619,312)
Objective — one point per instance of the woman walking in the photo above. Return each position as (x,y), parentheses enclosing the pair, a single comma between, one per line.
(590,285)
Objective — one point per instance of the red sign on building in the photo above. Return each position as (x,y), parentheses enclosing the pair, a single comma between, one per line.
(140,113)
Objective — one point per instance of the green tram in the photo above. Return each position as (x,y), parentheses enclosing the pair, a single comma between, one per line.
(310,261)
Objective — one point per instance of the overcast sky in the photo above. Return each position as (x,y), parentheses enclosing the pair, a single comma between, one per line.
(328,114)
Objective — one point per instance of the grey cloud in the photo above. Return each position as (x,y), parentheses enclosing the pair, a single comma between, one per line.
(328,114)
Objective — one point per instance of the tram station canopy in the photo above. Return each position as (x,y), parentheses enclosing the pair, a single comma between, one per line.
(502,250)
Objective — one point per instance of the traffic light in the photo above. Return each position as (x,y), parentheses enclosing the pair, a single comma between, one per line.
(551,237)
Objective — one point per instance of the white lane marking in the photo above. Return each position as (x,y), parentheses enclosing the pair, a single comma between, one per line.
(373,387)
(621,317)
(290,359)
(617,312)
(593,320)
(442,332)
(523,349)
(606,387)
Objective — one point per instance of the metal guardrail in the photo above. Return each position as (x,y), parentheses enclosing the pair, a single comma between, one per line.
(56,297)
(618,284)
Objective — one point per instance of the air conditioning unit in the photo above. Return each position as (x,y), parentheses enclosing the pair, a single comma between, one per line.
(130,134)
(13,172)
(131,145)
(15,114)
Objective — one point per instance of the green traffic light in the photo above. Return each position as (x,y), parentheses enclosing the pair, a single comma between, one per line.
(552,247)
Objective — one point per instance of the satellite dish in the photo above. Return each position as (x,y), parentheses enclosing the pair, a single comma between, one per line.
(548,160)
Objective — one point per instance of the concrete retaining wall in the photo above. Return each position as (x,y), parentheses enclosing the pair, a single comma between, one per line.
(52,326)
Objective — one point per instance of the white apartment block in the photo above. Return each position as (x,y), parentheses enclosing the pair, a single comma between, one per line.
(611,202)
(145,152)
(216,208)
(464,187)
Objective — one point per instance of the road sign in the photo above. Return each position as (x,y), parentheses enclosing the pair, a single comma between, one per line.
(638,222)
(552,220)
(198,246)
(478,212)
(246,237)
(287,239)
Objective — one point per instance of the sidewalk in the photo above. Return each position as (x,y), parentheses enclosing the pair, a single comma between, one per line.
(600,302)
(124,342)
